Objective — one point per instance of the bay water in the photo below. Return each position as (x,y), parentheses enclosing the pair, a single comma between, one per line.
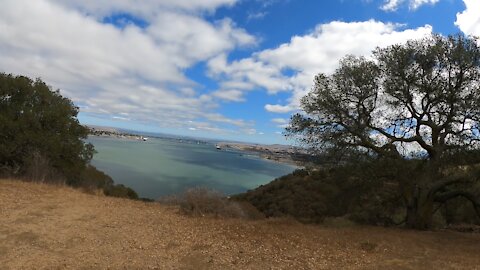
(162,166)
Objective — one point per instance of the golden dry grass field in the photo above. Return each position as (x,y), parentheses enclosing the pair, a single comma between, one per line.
(48,227)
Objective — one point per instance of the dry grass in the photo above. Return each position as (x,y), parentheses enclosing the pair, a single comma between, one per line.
(46,227)
(201,202)
(40,170)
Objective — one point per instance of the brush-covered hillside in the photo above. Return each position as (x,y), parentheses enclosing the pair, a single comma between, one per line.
(56,227)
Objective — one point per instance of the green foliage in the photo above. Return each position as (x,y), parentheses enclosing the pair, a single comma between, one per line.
(370,192)
(93,179)
(34,120)
(312,196)
(42,140)
(415,106)
(120,191)
(423,94)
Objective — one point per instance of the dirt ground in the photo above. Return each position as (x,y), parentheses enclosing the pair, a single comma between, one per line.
(47,227)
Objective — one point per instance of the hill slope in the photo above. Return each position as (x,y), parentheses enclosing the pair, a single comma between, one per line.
(55,227)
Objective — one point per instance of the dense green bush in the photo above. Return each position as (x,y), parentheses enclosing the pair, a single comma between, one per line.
(120,191)
(365,192)
(93,179)
(36,122)
(307,196)
(41,139)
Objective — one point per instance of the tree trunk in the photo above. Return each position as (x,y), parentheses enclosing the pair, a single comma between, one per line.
(419,218)
(420,210)
(420,207)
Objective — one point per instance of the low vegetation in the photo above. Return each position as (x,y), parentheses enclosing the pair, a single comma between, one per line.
(200,201)
(51,227)
(351,193)
(41,139)
(412,113)
(398,136)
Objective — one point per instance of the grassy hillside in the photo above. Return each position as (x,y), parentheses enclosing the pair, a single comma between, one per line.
(49,227)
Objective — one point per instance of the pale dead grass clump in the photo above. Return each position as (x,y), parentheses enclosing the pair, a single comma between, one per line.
(338,222)
(466,228)
(35,189)
(200,201)
(368,246)
(39,169)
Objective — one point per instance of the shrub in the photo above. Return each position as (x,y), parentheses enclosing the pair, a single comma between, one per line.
(42,140)
(312,196)
(92,179)
(365,193)
(39,169)
(120,191)
(338,222)
(201,201)
(39,127)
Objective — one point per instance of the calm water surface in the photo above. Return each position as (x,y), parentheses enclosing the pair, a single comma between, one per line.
(161,167)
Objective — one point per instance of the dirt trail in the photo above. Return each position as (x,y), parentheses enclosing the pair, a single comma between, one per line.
(46,227)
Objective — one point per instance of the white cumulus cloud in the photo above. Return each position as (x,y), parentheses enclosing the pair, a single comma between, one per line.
(469,20)
(292,66)
(392,5)
(134,70)
(229,95)
(144,8)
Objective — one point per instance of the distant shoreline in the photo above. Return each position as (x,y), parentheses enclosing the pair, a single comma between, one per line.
(276,153)
(113,133)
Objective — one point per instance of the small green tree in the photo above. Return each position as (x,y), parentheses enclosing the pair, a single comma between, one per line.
(417,104)
(38,122)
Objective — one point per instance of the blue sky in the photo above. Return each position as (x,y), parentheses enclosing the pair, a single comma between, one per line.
(224,69)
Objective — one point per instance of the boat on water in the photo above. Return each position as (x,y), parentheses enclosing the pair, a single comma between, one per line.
(218,147)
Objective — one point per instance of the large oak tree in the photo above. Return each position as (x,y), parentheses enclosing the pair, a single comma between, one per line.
(415,103)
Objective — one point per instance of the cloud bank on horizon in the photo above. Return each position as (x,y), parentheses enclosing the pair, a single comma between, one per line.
(210,68)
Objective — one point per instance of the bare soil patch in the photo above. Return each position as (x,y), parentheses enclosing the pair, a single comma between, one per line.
(48,227)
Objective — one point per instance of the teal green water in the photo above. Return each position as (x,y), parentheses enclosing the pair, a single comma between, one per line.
(160,167)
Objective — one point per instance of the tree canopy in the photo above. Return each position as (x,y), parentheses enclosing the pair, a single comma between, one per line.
(420,98)
(36,122)
(417,103)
